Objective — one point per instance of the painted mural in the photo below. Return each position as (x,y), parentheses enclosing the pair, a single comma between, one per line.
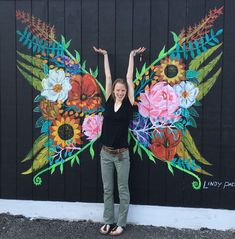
(167,92)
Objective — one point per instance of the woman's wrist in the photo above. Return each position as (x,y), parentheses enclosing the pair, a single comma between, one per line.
(133,53)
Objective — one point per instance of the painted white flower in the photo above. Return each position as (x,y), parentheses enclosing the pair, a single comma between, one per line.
(56,86)
(187,93)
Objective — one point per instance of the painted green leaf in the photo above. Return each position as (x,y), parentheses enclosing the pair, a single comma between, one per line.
(170,168)
(33,70)
(37,146)
(77,160)
(84,65)
(192,122)
(61,168)
(205,87)
(40,121)
(150,155)
(208,68)
(143,69)
(193,112)
(175,37)
(135,147)
(39,162)
(137,74)
(197,61)
(36,83)
(53,169)
(95,73)
(68,44)
(37,109)
(162,52)
(140,153)
(78,58)
(92,153)
(179,126)
(192,148)
(129,137)
(62,40)
(72,161)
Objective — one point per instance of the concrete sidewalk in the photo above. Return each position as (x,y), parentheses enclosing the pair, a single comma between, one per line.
(15,227)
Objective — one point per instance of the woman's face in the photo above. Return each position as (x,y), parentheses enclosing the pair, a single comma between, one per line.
(119,91)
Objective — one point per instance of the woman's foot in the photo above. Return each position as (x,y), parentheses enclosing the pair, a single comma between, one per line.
(116,231)
(106,228)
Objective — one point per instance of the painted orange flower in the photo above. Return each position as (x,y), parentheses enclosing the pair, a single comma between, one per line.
(66,131)
(171,71)
(84,93)
(164,143)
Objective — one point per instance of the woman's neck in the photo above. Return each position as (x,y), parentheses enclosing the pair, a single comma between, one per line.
(118,101)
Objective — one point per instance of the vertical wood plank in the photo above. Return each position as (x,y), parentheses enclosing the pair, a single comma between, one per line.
(106,40)
(89,38)
(158,38)
(24,115)
(73,29)
(140,37)
(40,10)
(227,152)
(8,100)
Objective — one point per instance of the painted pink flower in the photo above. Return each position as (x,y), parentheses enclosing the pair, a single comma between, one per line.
(160,103)
(92,125)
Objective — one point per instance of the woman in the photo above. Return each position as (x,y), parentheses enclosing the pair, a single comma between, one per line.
(115,153)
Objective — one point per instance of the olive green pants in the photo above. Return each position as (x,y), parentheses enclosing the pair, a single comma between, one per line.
(122,164)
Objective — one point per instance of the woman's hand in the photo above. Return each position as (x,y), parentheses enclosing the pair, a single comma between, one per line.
(135,52)
(100,51)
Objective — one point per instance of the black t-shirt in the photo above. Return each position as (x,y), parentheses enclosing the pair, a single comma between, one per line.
(115,125)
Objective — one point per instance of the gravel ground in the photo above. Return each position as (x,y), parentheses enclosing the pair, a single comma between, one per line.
(12,227)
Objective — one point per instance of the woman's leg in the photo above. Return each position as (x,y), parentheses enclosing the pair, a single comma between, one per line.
(122,165)
(107,169)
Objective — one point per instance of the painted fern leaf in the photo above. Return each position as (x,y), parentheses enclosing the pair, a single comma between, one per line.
(205,87)
(198,61)
(192,148)
(203,72)
(35,82)
(33,70)
(33,60)
(37,146)
(39,162)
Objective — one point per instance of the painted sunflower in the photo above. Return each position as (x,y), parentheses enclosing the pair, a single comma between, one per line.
(171,71)
(66,131)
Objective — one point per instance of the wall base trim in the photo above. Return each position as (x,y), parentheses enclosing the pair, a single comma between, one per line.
(176,217)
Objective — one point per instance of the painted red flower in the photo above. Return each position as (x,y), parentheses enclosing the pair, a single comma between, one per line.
(84,93)
(164,143)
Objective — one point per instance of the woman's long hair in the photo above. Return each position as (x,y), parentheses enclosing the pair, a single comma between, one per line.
(121,81)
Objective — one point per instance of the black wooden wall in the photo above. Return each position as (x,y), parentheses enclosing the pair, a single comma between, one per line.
(118,26)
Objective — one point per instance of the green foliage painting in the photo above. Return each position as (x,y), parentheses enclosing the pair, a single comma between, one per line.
(167,93)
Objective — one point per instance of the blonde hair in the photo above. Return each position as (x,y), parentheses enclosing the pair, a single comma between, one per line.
(121,81)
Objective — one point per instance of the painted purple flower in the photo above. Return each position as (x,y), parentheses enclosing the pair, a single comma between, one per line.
(139,127)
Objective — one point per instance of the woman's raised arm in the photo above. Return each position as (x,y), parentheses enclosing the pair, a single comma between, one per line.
(108,78)
(130,70)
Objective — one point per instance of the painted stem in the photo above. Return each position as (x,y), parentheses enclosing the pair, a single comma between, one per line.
(37,179)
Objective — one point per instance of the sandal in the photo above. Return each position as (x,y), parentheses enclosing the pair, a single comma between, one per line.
(106,229)
(116,231)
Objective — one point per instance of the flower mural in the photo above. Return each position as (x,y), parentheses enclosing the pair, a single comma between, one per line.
(84,93)
(159,103)
(56,86)
(167,93)
(170,70)
(187,93)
